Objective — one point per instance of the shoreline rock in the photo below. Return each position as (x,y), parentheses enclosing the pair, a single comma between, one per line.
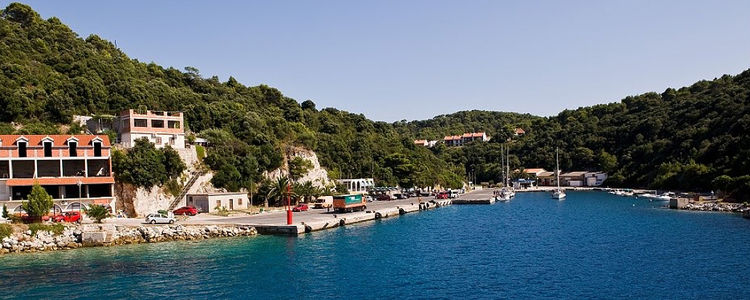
(102,235)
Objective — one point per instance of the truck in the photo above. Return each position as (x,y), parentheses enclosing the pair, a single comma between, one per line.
(323,202)
(349,203)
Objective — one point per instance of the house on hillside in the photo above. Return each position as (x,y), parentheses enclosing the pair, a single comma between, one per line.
(460,140)
(425,143)
(519,131)
(76,170)
(160,127)
(209,202)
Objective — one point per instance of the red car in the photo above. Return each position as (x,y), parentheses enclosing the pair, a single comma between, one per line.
(69,217)
(300,207)
(442,195)
(186,210)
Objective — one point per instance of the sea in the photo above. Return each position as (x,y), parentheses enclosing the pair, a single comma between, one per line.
(591,245)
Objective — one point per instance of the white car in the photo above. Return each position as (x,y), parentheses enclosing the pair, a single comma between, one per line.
(159,218)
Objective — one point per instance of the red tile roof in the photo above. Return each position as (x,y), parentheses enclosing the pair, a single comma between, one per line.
(520,131)
(59,140)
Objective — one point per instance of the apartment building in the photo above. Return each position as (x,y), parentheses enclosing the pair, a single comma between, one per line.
(76,170)
(160,127)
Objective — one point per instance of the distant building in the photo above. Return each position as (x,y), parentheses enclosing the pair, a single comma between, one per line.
(582,178)
(519,131)
(209,202)
(425,143)
(159,127)
(546,178)
(535,171)
(76,170)
(460,140)
(357,185)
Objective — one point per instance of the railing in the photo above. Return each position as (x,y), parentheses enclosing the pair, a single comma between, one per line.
(194,177)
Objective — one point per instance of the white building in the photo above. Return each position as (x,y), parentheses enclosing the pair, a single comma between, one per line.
(208,202)
(358,185)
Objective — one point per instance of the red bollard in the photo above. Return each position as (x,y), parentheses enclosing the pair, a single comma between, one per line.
(288,217)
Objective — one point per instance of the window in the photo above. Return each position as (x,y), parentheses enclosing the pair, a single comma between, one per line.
(21,149)
(157,123)
(239,201)
(97,149)
(125,124)
(174,124)
(47,149)
(73,149)
(218,203)
(140,123)
(157,140)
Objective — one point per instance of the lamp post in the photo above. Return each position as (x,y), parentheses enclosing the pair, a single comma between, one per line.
(79,183)
(288,204)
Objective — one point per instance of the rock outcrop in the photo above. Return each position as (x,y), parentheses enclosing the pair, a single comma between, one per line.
(317,175)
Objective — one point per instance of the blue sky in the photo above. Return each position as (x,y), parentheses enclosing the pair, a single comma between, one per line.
(394,60)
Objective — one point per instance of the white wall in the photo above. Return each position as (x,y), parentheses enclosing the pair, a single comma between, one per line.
(128,139)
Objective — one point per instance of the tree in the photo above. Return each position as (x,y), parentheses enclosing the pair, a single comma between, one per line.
(298,167)
(97,212)
(39,203)
(277,191)
(173,164)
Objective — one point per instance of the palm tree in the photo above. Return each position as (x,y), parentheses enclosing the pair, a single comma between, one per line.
(278,190)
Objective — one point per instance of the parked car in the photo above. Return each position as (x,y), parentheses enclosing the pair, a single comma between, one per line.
(384,197)
(69,217)
(186,210)
(442,195)
(159,218)
(368,198)
(301,207)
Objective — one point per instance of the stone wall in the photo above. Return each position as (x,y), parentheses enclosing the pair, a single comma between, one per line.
(92,235)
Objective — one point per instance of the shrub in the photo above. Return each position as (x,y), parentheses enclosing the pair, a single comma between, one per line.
(54,228)
(97,212)
(200,151)
(5,230)
(222,211)
(5,211)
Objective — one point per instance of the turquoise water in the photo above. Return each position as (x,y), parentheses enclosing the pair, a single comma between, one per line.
(591,245)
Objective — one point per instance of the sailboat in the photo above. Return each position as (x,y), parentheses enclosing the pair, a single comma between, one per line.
(559,193)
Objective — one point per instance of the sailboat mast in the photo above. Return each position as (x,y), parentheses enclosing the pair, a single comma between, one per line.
(557,167)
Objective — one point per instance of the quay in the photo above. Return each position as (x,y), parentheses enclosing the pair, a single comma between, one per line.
(320,219)
(484,196)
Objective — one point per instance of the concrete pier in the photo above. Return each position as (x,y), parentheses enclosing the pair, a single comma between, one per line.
(476,197)
(317,219)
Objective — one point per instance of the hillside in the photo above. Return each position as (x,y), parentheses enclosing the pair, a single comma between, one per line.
(681,138)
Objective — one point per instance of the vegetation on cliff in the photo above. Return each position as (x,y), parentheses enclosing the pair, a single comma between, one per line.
(681,138)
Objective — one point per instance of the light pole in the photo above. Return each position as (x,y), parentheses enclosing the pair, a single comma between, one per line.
(80,203)
(288,204)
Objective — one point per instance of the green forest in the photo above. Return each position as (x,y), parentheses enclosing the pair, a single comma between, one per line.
(690,138)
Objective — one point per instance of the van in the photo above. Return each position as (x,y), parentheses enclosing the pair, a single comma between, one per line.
(323,202)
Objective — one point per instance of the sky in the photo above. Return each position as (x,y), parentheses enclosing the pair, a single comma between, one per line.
(413,60)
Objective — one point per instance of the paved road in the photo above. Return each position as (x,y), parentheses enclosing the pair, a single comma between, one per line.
(279,217)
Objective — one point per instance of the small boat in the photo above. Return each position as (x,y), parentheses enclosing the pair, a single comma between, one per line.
(502,198)
(559,193)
